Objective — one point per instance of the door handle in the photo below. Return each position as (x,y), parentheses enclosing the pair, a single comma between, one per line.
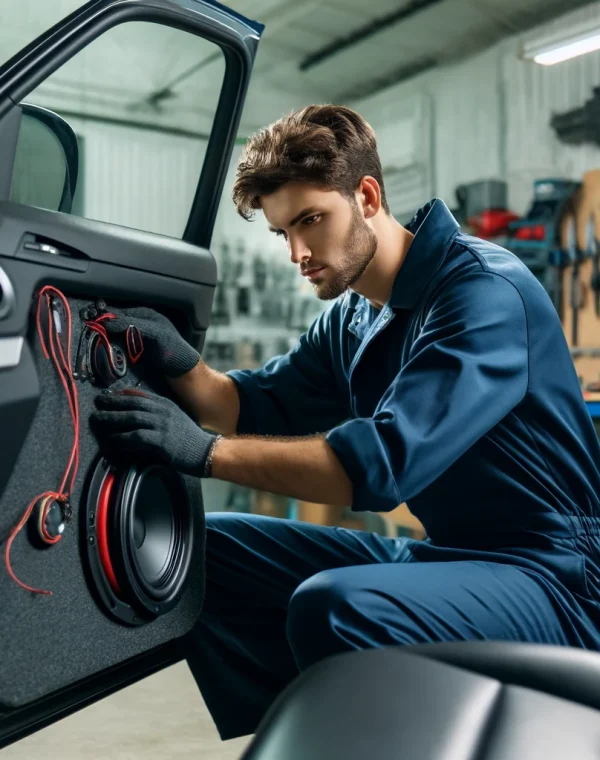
(51,253)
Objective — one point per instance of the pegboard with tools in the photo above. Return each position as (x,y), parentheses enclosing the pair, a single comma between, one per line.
(580,244)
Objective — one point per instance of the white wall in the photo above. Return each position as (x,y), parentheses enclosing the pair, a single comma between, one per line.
(533,94)
(147,180)
(491,116)
(137,178)
(232,227)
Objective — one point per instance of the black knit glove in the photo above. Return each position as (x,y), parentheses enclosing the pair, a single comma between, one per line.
(162,344)
(151,426)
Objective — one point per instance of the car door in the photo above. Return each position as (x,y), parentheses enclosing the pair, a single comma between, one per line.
(59,274)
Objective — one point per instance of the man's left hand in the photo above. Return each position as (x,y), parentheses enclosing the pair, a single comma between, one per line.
(152,426)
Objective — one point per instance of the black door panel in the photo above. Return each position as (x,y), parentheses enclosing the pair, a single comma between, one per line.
(95,257)
(125,268)
(50,642)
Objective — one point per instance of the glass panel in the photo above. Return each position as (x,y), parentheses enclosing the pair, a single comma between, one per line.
(142,100)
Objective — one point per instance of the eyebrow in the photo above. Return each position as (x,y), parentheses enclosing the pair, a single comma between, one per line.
(297,218)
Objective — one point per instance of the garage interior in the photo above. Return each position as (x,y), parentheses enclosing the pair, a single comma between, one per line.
(462,111)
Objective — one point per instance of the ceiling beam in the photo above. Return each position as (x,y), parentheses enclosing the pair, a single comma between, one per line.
(373,86)
(353,10)
(365,32)
(502,21)
(164,129)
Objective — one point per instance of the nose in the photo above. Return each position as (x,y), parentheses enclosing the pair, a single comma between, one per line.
(299,251)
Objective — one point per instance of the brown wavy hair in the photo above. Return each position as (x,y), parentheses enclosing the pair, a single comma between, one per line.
(324,145)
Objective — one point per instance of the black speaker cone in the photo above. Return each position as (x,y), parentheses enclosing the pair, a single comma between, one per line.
(140,541)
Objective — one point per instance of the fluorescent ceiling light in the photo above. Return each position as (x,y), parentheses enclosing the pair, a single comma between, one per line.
(570,50)
(559,49)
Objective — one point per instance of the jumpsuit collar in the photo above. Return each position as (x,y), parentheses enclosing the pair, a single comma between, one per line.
(433,227)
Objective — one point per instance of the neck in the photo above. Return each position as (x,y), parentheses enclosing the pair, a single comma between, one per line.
(393,242)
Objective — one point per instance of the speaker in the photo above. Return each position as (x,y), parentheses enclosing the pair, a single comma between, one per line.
(139,539)
(126,565)
(107,366)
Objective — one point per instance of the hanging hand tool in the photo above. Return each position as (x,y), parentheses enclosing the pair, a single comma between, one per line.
(575,289)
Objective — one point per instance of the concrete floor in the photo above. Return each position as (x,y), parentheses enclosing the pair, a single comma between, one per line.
(160,718)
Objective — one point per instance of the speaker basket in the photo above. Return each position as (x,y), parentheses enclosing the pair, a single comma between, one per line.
(139,539)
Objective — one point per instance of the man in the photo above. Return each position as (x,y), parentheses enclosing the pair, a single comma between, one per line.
(439,376)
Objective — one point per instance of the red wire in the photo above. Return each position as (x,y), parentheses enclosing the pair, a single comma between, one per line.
(71,394)
(96,326)
(12,537)
(102,530)
(63,366)
(99,329)
(133,334)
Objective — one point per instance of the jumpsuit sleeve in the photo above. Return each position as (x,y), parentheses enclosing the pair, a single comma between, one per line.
(298,393)
(467,369)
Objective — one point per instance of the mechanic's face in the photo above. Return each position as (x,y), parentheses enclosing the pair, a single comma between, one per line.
(326,234)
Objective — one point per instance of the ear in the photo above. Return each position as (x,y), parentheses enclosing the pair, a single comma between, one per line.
(369,196)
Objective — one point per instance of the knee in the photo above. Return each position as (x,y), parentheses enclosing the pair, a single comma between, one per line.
(317,597)
(311,617)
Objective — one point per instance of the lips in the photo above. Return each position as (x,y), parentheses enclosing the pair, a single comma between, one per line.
(310,273)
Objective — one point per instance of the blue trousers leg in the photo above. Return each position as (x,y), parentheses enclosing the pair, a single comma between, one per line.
(238,651)
(281,595)
(417,603)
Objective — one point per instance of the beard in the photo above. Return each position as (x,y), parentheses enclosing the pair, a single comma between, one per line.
(359,248)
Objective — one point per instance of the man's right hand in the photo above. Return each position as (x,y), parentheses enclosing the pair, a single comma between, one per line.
(163,345)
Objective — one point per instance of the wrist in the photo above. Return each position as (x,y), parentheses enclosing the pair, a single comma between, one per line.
(208,464)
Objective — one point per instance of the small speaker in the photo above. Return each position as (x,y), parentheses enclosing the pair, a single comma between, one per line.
(106,369)
(139,539)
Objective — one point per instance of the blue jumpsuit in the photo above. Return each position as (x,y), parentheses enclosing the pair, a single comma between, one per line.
(460,398)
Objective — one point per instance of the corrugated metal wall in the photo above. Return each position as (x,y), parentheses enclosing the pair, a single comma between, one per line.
(236,231)
(533,94)
(491,116)
(146,180)
(404,140)
(137,178)
(465,120)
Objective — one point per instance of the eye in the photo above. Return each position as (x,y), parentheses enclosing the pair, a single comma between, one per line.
(281,233)
(310,220)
